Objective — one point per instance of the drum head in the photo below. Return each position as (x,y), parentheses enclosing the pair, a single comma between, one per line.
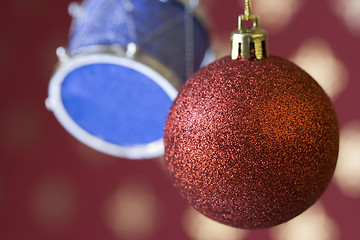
(113,104)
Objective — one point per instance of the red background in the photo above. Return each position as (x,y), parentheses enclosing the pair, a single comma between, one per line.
(40,161)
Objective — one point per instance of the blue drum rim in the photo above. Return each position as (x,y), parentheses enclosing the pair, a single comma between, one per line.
(54,103)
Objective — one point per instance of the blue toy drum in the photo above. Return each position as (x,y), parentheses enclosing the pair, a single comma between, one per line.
(116,81)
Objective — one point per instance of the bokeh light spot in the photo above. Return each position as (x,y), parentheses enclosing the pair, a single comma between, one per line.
(54,204)
(199,227)
(349,12)
(313,224)
(276,14)
(347,173)
(132,211)
(316,57)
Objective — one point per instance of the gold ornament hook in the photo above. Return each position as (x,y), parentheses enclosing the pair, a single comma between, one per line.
(247,11)
(248,42)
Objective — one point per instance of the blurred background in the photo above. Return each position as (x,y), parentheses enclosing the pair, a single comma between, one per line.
(53,187)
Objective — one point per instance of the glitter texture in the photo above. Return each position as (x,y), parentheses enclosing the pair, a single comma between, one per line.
(251,144)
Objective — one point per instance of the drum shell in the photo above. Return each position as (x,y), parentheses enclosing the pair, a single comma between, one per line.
(101,33)
(157,27)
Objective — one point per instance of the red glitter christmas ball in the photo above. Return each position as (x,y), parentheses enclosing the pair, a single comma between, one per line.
(251,143)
